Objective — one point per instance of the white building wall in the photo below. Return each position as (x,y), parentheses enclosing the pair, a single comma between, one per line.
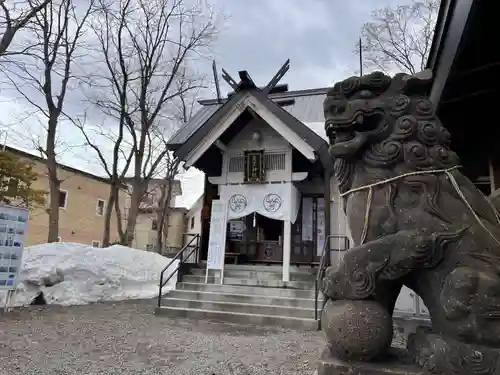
(270,141)
(193,225)
(193,218)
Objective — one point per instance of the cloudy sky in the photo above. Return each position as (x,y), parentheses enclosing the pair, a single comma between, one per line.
(258,36)
(317,35)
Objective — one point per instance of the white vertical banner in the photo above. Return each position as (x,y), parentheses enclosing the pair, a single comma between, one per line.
(320,226)
(217,238)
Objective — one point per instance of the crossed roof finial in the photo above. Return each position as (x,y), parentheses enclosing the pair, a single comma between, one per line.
(246,82)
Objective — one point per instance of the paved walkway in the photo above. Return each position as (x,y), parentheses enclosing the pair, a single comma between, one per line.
(126,338)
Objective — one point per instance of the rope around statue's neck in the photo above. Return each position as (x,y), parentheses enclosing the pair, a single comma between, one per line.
(416,173)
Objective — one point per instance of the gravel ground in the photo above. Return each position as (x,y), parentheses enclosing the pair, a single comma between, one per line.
(126,338)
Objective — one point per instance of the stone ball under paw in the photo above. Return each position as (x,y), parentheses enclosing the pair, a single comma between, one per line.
(357,330)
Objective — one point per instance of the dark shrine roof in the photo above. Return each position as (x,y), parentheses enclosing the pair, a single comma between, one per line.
(307,106)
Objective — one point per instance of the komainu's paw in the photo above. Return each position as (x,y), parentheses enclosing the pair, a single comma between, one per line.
(429,352)
(445,356)
(332,285)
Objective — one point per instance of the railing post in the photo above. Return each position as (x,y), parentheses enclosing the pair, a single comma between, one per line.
(160,289)
(316,299)
(322,308)
(197,248)
(178,256)
(322,265)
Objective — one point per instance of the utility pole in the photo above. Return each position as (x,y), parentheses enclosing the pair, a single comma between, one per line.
(360,58)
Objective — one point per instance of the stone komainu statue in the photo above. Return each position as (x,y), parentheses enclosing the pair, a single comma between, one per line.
(417,221)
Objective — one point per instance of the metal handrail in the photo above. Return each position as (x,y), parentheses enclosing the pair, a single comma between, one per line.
(322,267)
(181,260)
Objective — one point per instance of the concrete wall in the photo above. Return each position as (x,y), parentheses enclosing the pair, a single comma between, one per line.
(194,224)
(154,190)
(176,229)
(145,234)
(193,218)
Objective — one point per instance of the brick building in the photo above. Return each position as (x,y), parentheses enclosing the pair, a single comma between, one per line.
(84,197)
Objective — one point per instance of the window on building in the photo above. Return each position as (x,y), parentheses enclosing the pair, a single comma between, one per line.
(63,198)
(100,207)
(96,243)
(192,222)
(154,224)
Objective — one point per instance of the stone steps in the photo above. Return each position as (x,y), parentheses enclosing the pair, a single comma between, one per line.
(261,274)
(250,295)
(245,289)
(267,283)
(262,268)
(307,303)
(240,318)
(242,307)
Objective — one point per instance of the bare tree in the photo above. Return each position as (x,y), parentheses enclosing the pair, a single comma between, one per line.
(185,109)
(147,48)
(43,79)
(14,18)
(116,165)
(399,38)
(164,207)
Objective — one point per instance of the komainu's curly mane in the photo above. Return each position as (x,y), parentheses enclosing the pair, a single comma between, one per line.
(385,122)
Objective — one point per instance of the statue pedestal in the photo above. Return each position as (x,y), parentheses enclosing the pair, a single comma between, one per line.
(394,365)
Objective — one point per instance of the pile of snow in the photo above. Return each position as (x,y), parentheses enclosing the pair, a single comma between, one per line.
(76,274)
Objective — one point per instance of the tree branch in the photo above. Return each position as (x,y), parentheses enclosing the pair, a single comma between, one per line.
(12,26)
(146,51)
(400,38)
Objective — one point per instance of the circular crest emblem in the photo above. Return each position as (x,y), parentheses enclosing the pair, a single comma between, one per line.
(272,202)
(237,203)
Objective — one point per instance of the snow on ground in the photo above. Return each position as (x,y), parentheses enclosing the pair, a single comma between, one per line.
(76,274)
